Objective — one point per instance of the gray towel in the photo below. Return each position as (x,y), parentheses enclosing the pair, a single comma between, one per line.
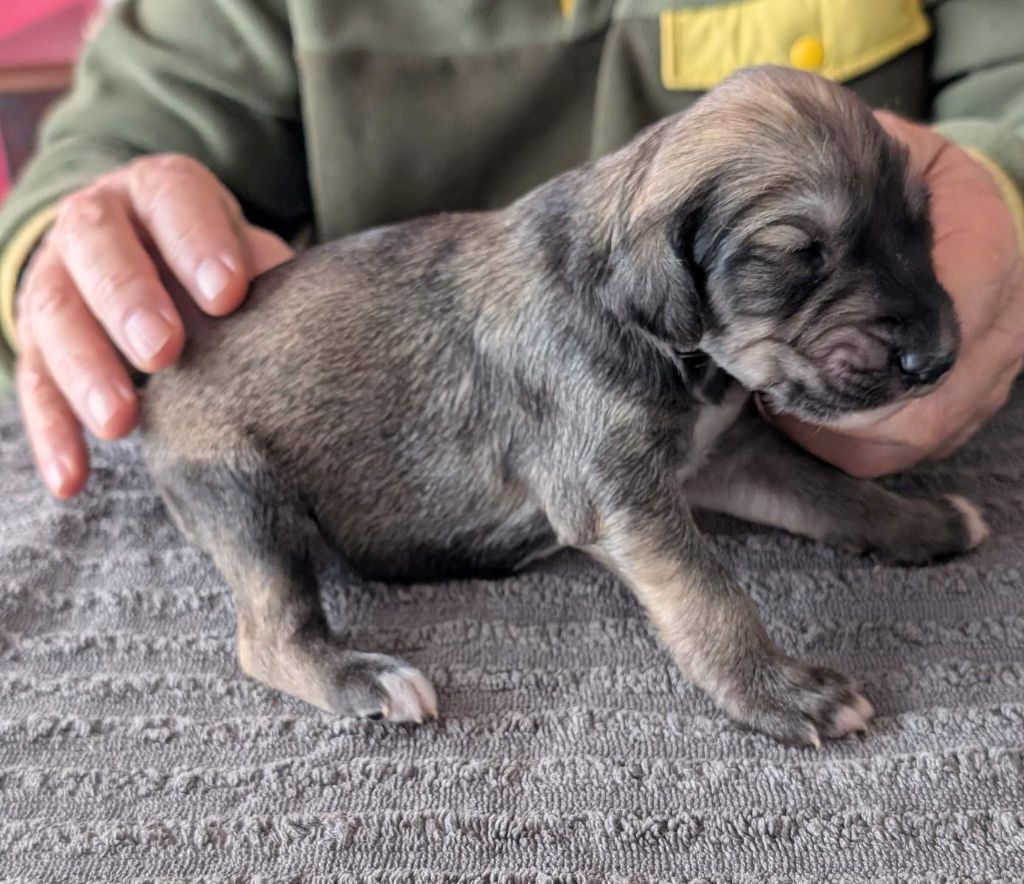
(131,747)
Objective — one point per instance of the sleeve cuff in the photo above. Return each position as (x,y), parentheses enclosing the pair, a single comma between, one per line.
(1007,189)
(12,262)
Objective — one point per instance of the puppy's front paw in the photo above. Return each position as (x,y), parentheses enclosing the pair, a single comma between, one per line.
(935,529)
(975,527)
(799,704)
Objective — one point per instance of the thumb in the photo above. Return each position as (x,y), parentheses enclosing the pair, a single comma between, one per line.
(266,249)
(863,458)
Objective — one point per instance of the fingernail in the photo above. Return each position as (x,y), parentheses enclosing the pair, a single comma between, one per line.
(103,403)
(148,333)
(60,472)
(56,475)
(212,278)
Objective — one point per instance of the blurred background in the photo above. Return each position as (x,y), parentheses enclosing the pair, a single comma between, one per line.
(39,41)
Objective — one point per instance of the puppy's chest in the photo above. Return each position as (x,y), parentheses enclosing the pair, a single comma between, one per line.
(712,421)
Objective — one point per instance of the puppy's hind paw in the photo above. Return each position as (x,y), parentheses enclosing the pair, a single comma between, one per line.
(801,705)
(377,687)
(351,684)
(408,695)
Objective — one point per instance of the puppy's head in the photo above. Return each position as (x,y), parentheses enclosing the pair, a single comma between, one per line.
(801,239)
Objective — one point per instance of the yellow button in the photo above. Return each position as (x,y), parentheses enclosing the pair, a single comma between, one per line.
(807,53)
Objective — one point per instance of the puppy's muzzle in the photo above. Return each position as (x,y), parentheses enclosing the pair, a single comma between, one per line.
(922,367)
(926,341)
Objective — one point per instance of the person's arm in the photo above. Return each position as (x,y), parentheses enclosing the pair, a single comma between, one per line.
(978,71)
(972,158)
(211,80)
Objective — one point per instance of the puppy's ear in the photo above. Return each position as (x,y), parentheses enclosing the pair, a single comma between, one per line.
(656,283)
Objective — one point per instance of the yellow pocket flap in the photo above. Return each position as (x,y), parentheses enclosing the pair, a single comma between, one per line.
(839,39)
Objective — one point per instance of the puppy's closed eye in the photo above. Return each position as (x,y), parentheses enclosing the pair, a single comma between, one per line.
(786,250)
(777,268)
(779,243)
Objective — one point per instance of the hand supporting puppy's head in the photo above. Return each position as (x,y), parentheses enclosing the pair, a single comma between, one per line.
(777,228)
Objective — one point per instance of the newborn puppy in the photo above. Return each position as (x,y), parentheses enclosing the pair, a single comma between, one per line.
(465,393)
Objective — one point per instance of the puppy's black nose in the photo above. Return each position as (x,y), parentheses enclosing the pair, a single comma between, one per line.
(919,367)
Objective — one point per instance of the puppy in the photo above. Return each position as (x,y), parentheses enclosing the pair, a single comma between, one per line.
(465,393)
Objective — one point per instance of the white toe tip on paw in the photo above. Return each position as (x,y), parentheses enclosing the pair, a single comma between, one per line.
(851,719)
(410,696)
(977,528)
(864,707)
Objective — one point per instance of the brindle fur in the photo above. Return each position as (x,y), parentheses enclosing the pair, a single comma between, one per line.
(459,394)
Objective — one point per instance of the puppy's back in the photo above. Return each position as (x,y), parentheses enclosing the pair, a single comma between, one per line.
(354,375)
(358,318)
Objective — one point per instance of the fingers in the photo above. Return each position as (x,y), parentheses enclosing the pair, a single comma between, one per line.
(63,335)
(997,397)
(195,225)
(94,291)
(108,265)
(53,431)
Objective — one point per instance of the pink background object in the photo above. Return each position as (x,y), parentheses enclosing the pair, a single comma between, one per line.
(42,32)
(35,36)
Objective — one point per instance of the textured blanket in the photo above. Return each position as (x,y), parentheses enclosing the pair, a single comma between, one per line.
(131,747)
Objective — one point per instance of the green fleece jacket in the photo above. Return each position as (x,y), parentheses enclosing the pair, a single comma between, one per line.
(341,114)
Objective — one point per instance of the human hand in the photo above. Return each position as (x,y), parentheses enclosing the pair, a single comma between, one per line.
(978,259)
(93,292)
